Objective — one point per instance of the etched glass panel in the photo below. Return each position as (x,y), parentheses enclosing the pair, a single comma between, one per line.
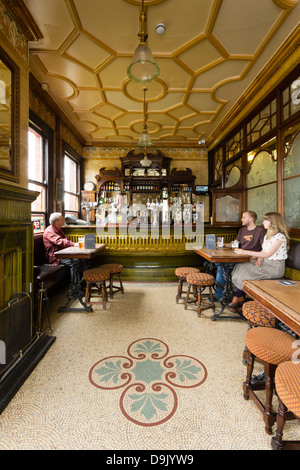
(218,160)
(291,163)
(233,176)
(262,200)
(227,209)
(291,189)
(263,170)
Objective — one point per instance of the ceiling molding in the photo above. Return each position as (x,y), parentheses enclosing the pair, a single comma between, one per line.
(210,53)
(270,77)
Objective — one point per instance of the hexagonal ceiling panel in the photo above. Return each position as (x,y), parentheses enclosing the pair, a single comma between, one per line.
(87,46)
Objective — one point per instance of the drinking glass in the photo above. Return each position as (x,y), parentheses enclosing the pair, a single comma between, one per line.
(220,242)
(234,244)
(81,242)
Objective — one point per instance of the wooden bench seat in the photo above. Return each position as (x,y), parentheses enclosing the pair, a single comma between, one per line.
(47,279)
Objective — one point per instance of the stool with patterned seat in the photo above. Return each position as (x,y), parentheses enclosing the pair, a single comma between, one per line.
(181,273)
(270,347)
(257,315)
(287,383)
(114,268)
(96,277)
(200,281)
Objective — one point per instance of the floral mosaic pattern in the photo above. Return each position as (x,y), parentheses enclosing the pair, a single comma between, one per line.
(149,378)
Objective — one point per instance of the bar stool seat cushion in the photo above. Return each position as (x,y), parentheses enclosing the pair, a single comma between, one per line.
(257,314)
(183,272)
(200,279)
(114,268)
(96,274)
(287,379)
(270,345)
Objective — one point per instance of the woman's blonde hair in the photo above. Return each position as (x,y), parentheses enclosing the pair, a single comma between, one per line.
(277,224)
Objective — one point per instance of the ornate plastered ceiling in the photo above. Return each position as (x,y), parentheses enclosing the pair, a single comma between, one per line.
(209,54)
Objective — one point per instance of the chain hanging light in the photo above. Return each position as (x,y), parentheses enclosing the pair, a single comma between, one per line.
(143,69)
(145,140)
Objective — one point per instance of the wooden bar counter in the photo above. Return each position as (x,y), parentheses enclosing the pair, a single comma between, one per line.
(146,257)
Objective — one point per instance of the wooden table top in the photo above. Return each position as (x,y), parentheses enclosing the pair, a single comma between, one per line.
(80,253)
(221,255)
(280,297)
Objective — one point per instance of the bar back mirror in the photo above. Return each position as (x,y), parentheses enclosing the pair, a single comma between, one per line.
(9,118)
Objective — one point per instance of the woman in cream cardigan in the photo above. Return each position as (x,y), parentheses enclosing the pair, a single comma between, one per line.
(266,264)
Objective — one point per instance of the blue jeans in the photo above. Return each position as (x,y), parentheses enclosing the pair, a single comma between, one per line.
(220,281)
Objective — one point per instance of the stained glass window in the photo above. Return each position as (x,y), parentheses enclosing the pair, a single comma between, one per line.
(218,161)
(235,145)
(262,123)
(291,99)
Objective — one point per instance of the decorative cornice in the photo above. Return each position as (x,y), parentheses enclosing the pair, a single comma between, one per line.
(158,145)
(38,93)
(115,153)
(17,193)
(24,19)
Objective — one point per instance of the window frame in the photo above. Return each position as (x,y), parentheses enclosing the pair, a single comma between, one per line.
(77,159)
(38,126)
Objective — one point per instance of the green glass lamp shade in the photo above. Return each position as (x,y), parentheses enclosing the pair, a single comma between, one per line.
(143,69)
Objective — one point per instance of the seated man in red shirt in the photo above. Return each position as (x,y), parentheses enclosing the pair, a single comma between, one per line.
(55,240)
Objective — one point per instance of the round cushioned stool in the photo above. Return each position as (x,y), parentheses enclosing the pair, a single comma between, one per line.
(114,268)
(199,281)
(257,315)
(181,273)
(270,347)
(96,276)
(287,383)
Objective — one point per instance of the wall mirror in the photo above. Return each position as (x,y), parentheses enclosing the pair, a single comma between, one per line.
(9,118)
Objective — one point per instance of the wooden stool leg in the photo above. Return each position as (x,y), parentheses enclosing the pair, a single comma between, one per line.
(104,294)
(277,443)
(111,286)
(121,285)
(250,365)
(187,296)
(179,290)
(211,295)
(269,416)
(199,300)
(88,291)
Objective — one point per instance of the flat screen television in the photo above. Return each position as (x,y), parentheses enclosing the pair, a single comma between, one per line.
(201,190)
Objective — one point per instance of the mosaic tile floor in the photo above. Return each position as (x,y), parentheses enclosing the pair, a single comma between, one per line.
(144,374)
